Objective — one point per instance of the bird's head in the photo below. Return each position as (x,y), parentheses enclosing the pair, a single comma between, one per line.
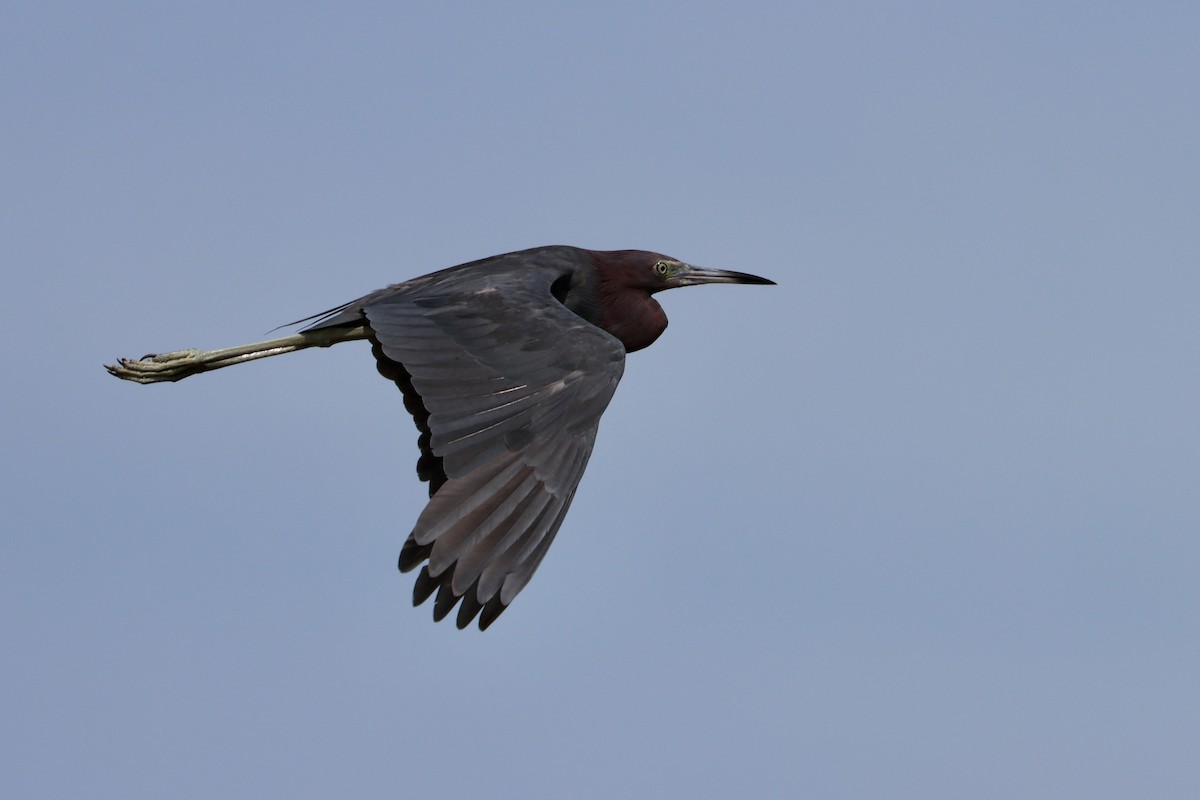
(669,273)
(654,272)
(625,279)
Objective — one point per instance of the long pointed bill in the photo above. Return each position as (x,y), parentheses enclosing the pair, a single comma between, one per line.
(694,276)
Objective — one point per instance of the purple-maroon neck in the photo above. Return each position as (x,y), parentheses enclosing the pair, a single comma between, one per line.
(624,282)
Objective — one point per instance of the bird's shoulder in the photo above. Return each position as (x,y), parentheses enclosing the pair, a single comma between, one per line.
(505,309)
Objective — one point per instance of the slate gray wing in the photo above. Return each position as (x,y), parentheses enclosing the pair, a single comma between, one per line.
(512,385)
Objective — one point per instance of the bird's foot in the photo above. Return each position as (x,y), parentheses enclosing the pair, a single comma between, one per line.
(155,368)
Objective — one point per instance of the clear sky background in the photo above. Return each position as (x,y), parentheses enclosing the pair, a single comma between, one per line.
(921,521)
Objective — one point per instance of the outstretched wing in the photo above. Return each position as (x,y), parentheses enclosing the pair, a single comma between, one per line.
(507,386)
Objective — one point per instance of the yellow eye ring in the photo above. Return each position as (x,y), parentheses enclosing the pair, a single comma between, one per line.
(662,269)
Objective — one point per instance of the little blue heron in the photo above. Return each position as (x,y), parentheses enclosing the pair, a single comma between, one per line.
(506,365)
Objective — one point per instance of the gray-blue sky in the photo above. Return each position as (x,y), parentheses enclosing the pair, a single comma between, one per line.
(920,521)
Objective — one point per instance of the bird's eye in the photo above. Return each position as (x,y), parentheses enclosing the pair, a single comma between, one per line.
(662,269)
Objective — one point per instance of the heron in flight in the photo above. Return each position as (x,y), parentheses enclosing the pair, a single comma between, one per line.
(506,365)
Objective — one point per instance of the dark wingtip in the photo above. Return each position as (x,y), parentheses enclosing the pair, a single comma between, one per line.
(424,586)
(470,607)
(412,554)
(445,602)
(493,609)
